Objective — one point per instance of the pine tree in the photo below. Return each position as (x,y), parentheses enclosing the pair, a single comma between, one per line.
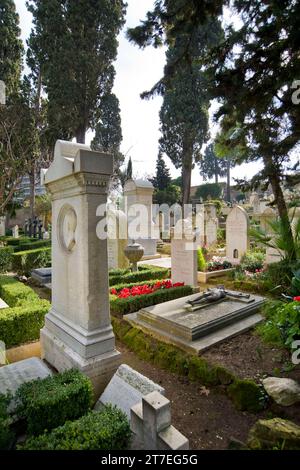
(211,166)
(254,71)
(129,170)
(162,178)
(77,44)
(11,48)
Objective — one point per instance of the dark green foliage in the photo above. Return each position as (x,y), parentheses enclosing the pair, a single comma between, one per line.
(252,261)
(211,166)
(162,178)
(246,395)
(5,259)
(280,274)
(295,286)
(11,46)
(49,403)
(6,434)
(201,260)
(209,191)
(282,326)
(75,45)
(24,262)
(170,195)
(32,245)
(145,273)
(107,429)
(21,322)
(133,304)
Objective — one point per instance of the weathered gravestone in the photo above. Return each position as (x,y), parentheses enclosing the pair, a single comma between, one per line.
(237,236)
(138,199)
(15,231)
(184,264)
(2,226)
(117,239)
(78,331)
(126,389)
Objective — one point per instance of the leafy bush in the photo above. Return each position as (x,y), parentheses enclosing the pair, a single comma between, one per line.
(133,304)
(282,326)
(6,435)
(252,261)
(209,191)
(6,258)
(49,403)
(24,262)
(201,260)
(33,245)
(295,284)
(22,321)
(107,429)
(281,274)
(145,273)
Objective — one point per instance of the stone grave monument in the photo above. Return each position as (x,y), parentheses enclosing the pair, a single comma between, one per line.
(15,231)
(184,263)
(117,239)
(2,226)
(78,331)
(138,199)
(237,236)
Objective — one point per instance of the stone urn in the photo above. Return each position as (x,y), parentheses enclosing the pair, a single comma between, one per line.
(134,252)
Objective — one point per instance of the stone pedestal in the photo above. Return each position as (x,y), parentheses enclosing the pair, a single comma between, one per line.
(78,331)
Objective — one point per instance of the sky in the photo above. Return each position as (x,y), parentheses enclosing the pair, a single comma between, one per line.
(137,71)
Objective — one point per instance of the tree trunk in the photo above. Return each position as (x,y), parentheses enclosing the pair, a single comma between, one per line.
(80,135)
(186,184)
(32,192)
(274,178)
(216,172)
(228,191)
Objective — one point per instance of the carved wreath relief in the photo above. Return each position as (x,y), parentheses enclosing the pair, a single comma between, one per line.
(67,224)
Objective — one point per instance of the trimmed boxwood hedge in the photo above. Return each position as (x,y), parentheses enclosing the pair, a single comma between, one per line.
(49,403)
(33,245)
(22,321)
(6,254)
(24,262)
(145,273)
(133,304)
(107,429)
(6,434)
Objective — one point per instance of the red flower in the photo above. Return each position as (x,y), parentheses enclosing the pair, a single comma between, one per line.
(297,298)
(114,292)
(178,284)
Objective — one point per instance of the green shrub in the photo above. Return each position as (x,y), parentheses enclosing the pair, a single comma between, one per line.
(121,286)
(252,261)
(6,254)
(107,429)
(133,304)
(281,274)
(145,273)
(24,262)
(6,434)
(201,260)
(22,321)
(33,245)
(49,403)
(246,395)
(282,326)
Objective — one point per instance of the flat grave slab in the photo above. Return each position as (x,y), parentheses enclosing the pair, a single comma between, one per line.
(42,275)
(126,389)
(199,329)
(14,375)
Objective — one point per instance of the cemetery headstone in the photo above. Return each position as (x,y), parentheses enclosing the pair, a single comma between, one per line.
(237,236)
(117,239)
(2,226)
(140,193)
(15,231)
(78,331)
(184,264)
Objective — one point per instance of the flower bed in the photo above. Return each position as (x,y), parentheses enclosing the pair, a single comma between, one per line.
(144,289)
(218,263)
(129,303)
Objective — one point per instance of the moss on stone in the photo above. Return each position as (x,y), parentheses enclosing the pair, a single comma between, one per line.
(246,395)
(273,434)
